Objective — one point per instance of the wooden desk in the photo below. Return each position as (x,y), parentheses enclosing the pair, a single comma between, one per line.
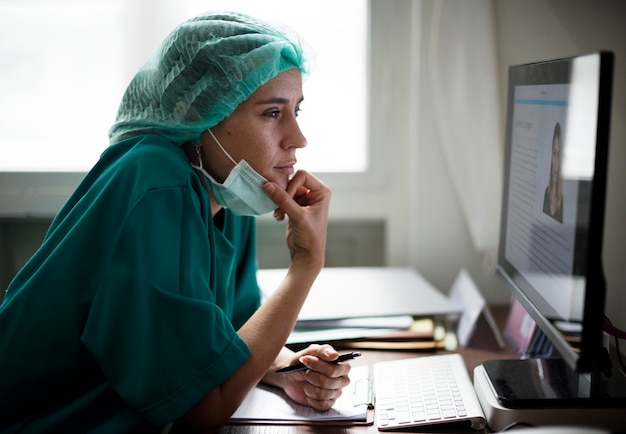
(482,347)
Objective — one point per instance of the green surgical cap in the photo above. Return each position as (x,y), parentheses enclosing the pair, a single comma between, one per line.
(202,71)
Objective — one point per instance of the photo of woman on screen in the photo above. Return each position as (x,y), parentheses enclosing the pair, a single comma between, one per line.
(553,196)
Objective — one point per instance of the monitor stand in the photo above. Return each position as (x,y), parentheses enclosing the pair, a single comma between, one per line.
(538,392)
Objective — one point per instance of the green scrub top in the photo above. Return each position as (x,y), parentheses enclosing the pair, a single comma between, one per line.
(127,314)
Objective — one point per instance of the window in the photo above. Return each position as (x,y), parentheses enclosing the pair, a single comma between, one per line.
(66,65)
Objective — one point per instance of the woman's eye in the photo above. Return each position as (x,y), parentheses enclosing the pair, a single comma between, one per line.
(275,113)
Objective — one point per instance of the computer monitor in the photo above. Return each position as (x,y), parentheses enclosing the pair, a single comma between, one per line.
(550,250)
(555,169)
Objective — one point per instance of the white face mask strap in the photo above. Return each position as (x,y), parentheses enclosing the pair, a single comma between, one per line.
(221,147)
(199,156)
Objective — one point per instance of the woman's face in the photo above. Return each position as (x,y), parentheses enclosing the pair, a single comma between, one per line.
(263,130)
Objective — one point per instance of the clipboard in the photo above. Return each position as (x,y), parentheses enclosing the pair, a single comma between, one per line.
(270,405)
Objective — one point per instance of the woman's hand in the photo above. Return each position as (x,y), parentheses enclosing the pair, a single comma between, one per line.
(306,202)
(320,385)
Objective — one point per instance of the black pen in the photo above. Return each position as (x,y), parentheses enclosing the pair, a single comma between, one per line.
(301,367)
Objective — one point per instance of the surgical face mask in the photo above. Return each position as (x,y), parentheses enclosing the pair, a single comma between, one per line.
(242,191)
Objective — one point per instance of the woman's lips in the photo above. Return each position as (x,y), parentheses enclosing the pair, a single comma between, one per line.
(287,169)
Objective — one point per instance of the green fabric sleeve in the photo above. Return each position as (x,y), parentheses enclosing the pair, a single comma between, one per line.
(153,326)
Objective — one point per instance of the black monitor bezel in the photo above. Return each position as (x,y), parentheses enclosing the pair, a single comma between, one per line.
(558,71)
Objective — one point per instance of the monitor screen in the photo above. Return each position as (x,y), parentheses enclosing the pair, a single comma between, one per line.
(555,172)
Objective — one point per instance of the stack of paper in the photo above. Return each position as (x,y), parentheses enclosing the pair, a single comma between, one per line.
(422,334)
(359,329)
(368,307)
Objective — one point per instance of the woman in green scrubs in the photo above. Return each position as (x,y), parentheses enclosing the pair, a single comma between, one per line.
(141,307)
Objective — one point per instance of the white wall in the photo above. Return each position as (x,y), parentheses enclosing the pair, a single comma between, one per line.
(409,188)
(442,243)
(412,192)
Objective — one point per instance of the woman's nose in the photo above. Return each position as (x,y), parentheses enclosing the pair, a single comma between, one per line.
(295,138)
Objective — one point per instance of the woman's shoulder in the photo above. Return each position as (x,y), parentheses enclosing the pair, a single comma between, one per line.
(148,159)
(132,170)
(147,149)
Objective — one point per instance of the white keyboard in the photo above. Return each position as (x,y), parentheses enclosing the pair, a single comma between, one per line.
(425,391)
